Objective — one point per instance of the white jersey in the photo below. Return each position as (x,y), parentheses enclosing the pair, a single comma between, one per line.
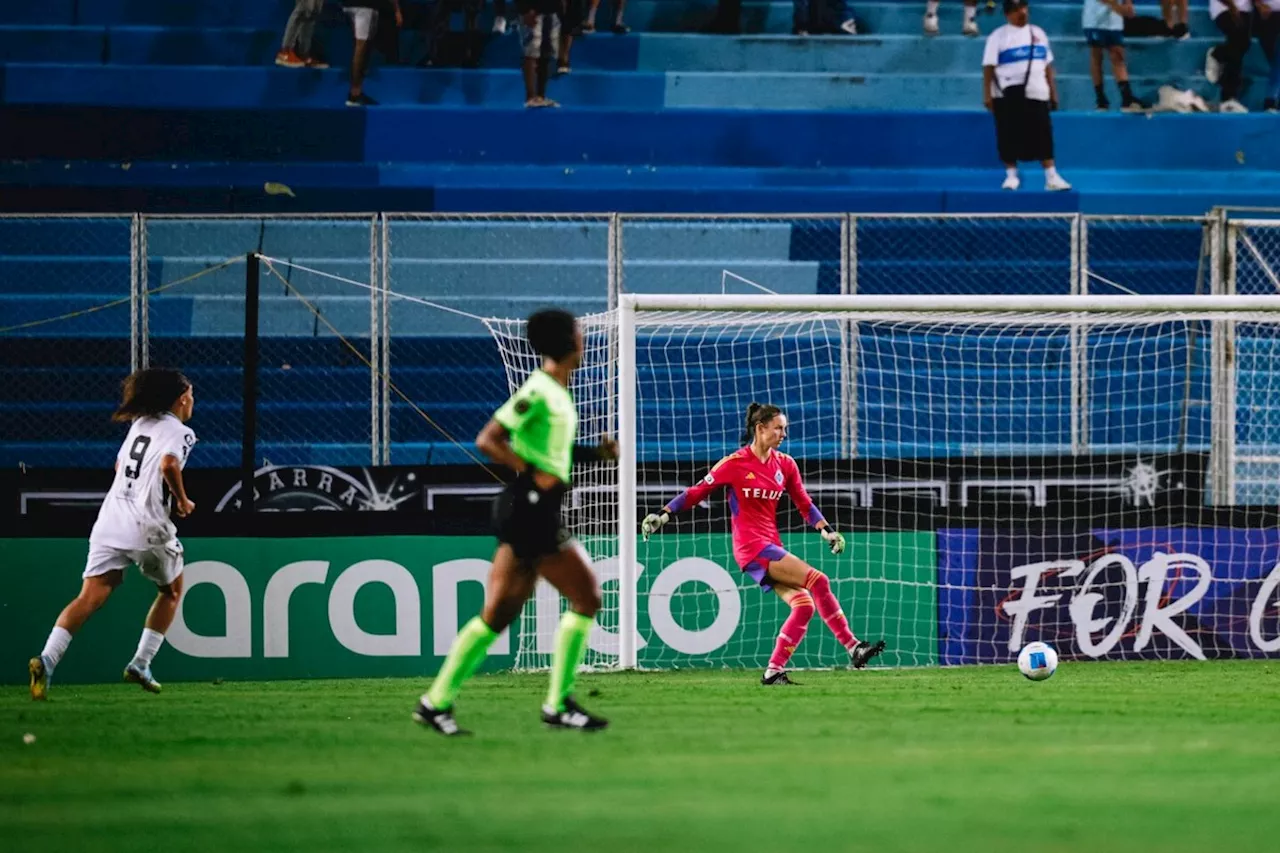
(135,513)
(1018,55)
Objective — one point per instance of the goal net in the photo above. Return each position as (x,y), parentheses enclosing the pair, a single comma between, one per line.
(1004,469)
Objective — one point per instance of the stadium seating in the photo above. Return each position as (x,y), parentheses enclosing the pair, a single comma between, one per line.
(122,105)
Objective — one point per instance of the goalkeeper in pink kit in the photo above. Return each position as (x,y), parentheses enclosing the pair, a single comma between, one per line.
(757,476)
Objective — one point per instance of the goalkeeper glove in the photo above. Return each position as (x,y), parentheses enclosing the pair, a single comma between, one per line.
(653,523)
(834,540)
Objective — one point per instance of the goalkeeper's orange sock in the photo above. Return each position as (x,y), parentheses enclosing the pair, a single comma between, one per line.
(793,631)
(465,655)
(571,648)
(829,608)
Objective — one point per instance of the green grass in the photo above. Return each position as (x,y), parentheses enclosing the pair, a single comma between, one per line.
(1104,757)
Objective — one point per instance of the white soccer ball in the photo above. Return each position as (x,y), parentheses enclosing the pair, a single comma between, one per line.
(1037,661)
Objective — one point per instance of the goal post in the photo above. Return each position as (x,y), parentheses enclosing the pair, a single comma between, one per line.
(968,405)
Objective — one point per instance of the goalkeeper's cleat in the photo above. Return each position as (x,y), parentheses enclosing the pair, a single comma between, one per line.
(40,675)
(779,678)
(574,716)
(439,719)
(141,675)
(861,654)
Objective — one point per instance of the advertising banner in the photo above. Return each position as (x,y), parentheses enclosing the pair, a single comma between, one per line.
(1157,592)
(310,607)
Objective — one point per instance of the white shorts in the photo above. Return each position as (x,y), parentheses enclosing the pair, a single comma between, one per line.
(541,39)
(363,21)
(160,564)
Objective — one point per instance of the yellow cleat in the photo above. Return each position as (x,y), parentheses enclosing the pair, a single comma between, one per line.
(39,679)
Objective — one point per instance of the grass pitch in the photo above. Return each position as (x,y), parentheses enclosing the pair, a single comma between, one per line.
(1103,757)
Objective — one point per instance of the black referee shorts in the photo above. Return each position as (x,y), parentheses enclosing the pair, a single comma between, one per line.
(528,519)
(1024,130)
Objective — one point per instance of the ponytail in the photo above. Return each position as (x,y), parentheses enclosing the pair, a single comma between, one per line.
(758,413)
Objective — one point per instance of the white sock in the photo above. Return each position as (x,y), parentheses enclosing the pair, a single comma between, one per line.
(617,17)
(770,672)
(147,647)
(591,15)
(1051,173)
(970,12)
(1011,171)
(56,646)
(931,8)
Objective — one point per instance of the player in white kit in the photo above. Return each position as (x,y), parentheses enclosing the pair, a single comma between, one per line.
(133,526)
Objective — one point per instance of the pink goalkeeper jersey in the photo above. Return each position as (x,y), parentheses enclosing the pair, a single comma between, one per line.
(754,490)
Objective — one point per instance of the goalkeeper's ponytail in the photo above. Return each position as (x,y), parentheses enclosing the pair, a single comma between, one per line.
(758,413)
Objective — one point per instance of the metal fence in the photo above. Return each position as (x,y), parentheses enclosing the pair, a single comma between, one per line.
(372,349)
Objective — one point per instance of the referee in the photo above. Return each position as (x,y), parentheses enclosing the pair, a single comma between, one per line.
(1018,87)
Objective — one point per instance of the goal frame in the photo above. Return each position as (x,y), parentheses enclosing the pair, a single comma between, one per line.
(629,305)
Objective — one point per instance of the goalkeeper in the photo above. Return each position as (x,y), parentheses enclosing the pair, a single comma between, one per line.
(757,475)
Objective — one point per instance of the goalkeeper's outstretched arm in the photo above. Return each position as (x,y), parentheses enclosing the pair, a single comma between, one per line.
(691,496)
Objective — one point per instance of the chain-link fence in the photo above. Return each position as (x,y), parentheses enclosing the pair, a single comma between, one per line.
(732,254)
(443,274)
(964,254)
(316,327)
(66,317)
(372,348)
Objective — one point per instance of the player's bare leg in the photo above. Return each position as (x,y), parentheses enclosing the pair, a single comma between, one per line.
(570,572)
(793,631)
(792,571)
(159,618)
(94,592)
(510,584)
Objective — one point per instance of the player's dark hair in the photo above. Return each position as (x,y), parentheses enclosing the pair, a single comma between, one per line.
(551,333)
(758,413)
(150,393)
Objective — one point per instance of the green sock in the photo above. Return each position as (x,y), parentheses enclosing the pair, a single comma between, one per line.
(468,650)
(571,648)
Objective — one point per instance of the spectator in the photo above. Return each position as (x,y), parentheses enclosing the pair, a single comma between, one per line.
(295,50)
(1175,16)
(447,48)
(1103,22)
(540,38)
(1268,12)
(1224,64)
(813,16)
(1019,89)
(364,23)
(618,28)
(970,18)
(570,25)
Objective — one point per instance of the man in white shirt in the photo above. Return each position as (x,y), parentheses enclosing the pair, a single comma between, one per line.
(1018,87)
(1224,64)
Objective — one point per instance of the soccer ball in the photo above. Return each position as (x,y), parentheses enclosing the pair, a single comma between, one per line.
(1037,661)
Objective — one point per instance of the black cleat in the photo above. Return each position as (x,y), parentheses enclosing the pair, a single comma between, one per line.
(777,678)
(574,716)
(440,720)
(864,652)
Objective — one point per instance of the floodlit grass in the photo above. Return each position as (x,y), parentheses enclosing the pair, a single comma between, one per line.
(1103,757)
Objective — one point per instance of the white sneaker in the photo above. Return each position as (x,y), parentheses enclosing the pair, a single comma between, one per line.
(499,25)
(1056,184)
(1232,106)
(1011,182)
(930,25)
(1212,67)
(970,28)
(850,26)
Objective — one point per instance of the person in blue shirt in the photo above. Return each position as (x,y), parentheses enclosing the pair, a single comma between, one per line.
(1103,23)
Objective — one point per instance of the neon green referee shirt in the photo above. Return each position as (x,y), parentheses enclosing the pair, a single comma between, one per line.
(543,423)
